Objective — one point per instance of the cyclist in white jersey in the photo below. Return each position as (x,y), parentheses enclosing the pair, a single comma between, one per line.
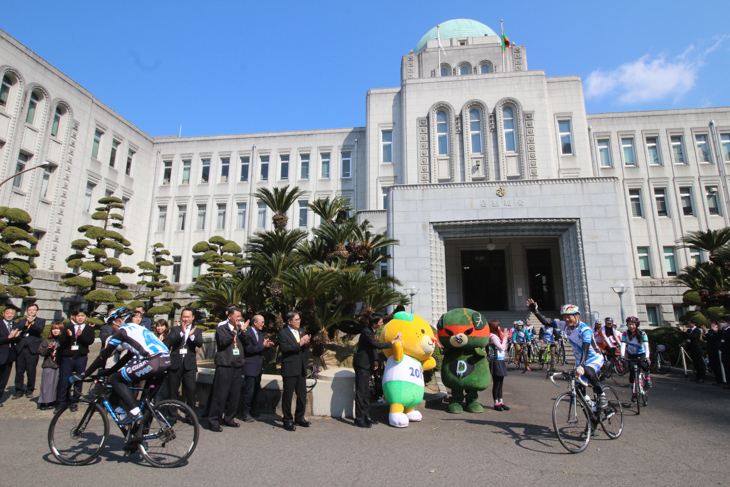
(588,358)
(635,346)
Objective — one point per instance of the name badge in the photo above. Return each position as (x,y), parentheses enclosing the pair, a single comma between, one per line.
(500,355)
(74,347)
(236,351)
(183,351)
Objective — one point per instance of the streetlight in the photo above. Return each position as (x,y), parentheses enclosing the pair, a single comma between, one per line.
(45,165)
(620,289)
(412,291)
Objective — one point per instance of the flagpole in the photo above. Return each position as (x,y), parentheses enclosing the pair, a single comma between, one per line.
(501,24)
(438,35)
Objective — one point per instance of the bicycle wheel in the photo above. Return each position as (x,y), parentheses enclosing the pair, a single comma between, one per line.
(607,369)
(571,422)
(620,374)
(644,392)
(662,363)
(170,435)
(560,356)
(542,358)
(612,416)
(78,437)
(636,395)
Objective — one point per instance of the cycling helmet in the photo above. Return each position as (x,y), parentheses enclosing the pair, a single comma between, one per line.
(609,320)
(598,322)
(122,313)
(569,309)
(633,319)
(661,348)
(519,323)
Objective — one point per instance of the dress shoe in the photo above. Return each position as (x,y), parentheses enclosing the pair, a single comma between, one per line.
(289,426)
(247,419)
(360,423)
(57,409)
(370,420)
(74,407)
(304,423)
(17,395)
(29,394)
(232,424)
(216,429)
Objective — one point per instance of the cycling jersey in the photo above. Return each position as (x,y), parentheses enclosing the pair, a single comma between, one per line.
(579,335)
(600,339)
(636,345)
(137,340)
(548,334)
(521,336)
(611,336)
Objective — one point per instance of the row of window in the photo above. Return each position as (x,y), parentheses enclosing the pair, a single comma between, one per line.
(22,164)
(652,147)
(245,169)
(90,198)
(686,201)
(670,260)
(464,68)
(220,221)
(113,152)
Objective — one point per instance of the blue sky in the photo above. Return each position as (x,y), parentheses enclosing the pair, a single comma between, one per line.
(240,67)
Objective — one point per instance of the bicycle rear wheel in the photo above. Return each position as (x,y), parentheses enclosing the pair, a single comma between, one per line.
(571,421)
(78,437)
(560,356)
(612,416)
(170,434)
(662,363)
(644,392)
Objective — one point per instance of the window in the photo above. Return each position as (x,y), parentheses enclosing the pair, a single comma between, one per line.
(220,223)
(95,145)
(652,313)
(108,193)
(566,139)
(304,166)
(245,163)
(176,263)
(385,198)
(635,199)
(445,70)
(284,160)
(464,69)
(303,212)
(35,99)
(678,313)
(485,67)
(678,149)
(45,181)
(182,211)
(713,206)
(57,116)
(660,195)
(685,195)
(387,141)
(346,158)
(167,172)
(261,217)
(627,147)
(161,218)
(604,152)
(88,196)
(205,170)
(5,87)
(508,120)
(695,256)
(652,150)
(383,269)
(475,130)
(670,262)
(125,202)
(442,132)
(241,216)
(644,268)
(20,167)
(264,168)
(325,158)
(225,166)
(725,142)
(196,271)
(113,154)
(703,148)
(200,224)
(130,158)
(186,171)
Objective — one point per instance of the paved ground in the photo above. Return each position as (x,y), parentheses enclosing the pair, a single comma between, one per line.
(680,439)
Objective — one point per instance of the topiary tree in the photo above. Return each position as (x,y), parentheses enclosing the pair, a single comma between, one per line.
(16,237)
(220,255)
(92,265)
(157,285)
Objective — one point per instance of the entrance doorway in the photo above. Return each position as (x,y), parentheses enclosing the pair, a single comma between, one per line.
(540,277)
(484,280)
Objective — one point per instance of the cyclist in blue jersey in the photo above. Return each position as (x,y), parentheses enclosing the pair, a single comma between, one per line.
(521,337)
(588,358)
(547,340)
(635,346)
(146,358)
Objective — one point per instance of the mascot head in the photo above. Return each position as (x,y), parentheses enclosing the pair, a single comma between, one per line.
(463,328)
(416,335)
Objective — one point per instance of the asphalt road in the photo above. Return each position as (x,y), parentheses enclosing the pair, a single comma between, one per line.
(680,439)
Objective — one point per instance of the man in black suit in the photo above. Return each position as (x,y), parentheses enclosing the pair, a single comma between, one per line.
(365,362)
(693,335)
(74,343)
(8,336)
(254,344)
(145,321)
(26,360)
(184,367)
(293,346)
(228,372)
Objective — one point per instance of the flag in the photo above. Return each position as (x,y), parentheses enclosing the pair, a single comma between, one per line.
(505,41)
(438,35)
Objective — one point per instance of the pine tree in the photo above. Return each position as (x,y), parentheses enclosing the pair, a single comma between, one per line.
(158,283)
(15,252)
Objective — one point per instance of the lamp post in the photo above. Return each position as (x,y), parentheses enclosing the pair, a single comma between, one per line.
(45,165)
(412,291)
(620,289)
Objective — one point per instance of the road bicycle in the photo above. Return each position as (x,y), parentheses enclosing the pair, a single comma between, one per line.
(660,363)
(638,390)
(312,376)
(615,368)
(166,433)
(522,362)
(576,416)
(545,357)
(560,356)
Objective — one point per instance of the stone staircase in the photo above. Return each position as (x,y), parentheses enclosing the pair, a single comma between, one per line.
(506,318)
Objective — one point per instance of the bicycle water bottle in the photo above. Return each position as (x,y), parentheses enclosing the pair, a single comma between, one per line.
(590,402)
(121,413)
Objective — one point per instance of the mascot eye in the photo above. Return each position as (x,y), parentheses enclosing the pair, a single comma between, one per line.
(469,331)
(423,332)
(449,332)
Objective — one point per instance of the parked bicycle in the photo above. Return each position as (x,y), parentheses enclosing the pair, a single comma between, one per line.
(312,376)
(166,434)
(660,363)
(576,416)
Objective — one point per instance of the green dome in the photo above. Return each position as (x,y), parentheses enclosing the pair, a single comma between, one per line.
(456,28)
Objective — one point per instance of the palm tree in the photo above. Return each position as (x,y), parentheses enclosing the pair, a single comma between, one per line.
(709,241)
(335,211)
(336,237)
(280,200)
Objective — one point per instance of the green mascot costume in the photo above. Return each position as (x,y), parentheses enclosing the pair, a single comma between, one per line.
(464,334)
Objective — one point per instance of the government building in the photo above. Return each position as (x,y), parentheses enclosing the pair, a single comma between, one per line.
(497,183)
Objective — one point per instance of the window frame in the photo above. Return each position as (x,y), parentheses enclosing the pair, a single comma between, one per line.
(346,169)
(202,216)
(725,147)
(386,146)
(479,130)
(305,159)
(660,198)
(20,165)
(113,152)
(303,213)
(443,139)
(635,196)
(261,216)
(6,88)
(325,174)
(161,218)
(167,172)
(651,160)
(677,148)
(241,208)
(244,163)
(670,261)
(562,137)
(205,168)
(264,160)
(713,200)
(34,102)
(607,152)
(96,143)
(220,219)
(643,257)
(225,169)
(176,268)
(686,196)
(130,160)
(706,152)
(182,216)
(631,148)
(284,160)
(187,169)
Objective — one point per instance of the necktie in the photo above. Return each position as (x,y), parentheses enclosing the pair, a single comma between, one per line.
(78,331)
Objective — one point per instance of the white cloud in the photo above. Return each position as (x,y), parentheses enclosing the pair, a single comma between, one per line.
(650,78)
